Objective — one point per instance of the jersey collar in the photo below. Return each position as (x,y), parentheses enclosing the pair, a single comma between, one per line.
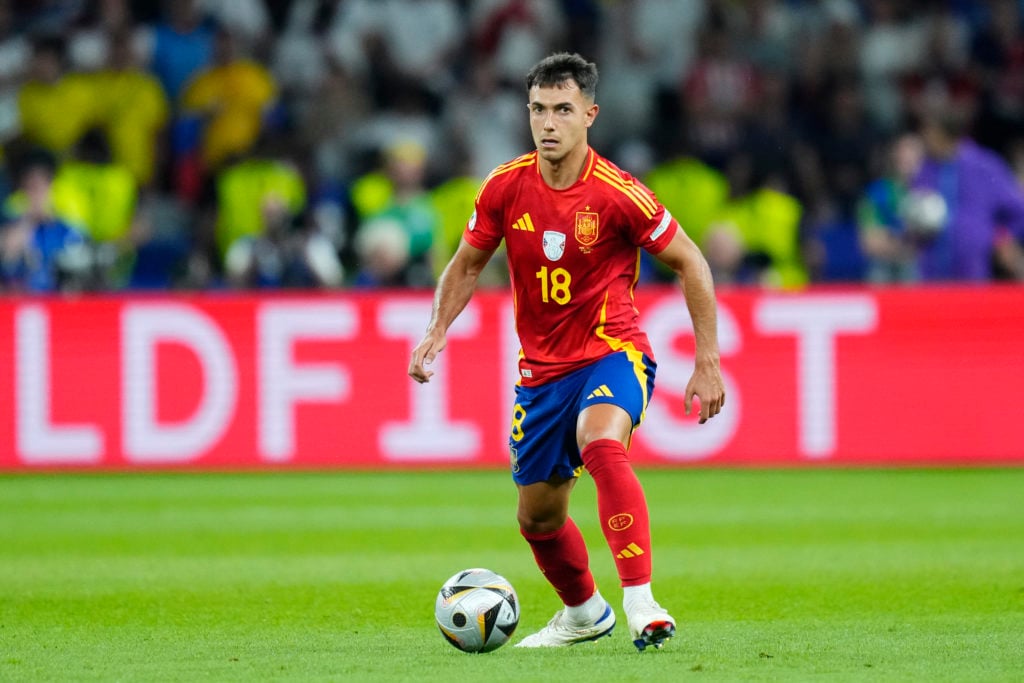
(588,166)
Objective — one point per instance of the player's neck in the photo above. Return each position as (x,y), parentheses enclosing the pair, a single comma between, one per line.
(565,172)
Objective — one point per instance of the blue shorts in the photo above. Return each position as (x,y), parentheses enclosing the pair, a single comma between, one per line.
(543,438)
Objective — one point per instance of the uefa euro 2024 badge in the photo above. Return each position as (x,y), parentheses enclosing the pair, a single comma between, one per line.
(554,244)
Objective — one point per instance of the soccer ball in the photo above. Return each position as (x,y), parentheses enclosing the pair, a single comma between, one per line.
(924,213)
(477,610)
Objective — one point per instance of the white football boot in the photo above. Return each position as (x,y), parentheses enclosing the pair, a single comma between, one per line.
(649,623)
(562,631)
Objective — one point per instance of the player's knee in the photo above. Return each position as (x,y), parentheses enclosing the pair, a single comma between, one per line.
(534,522)
(600,422)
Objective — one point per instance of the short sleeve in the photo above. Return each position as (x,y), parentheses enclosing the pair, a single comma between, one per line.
(483,230)
(661,229)
(649,224)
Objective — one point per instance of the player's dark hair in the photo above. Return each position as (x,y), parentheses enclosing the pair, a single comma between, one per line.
(560,67)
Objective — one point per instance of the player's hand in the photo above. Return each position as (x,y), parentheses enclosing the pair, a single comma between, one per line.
(424,354)
(707,385)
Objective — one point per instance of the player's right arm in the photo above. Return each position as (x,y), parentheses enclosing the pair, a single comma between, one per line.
(454,290)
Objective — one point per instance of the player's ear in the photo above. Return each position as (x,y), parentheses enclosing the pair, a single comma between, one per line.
(591,114)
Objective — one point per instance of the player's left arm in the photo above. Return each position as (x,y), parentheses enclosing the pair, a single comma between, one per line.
(690,267)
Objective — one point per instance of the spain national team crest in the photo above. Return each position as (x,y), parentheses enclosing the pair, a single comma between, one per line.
(586,227)
(554,244)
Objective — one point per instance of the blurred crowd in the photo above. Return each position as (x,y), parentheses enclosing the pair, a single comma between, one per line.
(203,144)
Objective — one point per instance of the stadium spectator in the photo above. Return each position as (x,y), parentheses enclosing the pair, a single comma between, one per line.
(395,197)
(830,169)
(827,52)
(770,138)
(893,45)
(39,251)
(331,122)
(880,213)
(230,98)
(647,49)
(970,211)
(409,118)
(65,200)
(718,94)
(754,236)
(945,73)
(162,257)
(55,106)
(263,190)
(484,120)
(394,44)
(297,59)
(381,248)
(844,139)
(110,202)
(453,200)
(292,251)
(133,111)
(182,45)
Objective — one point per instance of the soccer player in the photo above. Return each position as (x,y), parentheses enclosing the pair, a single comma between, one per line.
(573,225)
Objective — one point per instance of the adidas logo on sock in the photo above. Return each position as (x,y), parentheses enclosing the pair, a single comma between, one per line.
(631,550)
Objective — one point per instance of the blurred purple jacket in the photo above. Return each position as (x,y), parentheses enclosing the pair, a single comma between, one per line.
(983,198)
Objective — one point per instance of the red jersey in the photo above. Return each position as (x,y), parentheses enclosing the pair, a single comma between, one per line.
(574,258)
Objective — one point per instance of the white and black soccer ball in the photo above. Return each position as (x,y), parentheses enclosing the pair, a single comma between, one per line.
(477,610)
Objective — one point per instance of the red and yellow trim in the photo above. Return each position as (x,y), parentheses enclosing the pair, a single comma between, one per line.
(519,162)
(603,171)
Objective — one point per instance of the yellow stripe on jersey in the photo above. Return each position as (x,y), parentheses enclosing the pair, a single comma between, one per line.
(519,162)
(646,205)
(529,157)
(638,197)
(613,174)
(635,355)
(590,164)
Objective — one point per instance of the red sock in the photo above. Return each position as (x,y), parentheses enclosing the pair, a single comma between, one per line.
(562,558)
(622,508)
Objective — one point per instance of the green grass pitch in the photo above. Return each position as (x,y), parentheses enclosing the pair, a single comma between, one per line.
(874,575)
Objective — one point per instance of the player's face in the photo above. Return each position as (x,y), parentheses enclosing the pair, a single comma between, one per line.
(559,118)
